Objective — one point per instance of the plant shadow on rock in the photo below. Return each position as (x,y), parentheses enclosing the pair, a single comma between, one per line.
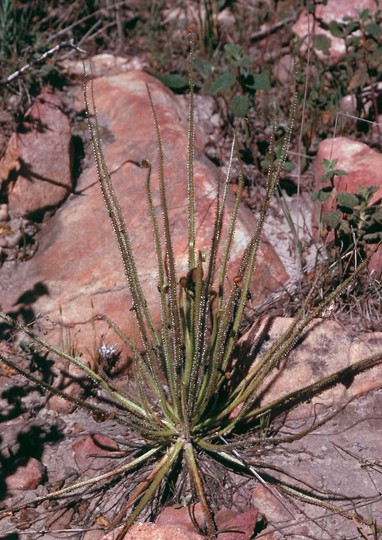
(24,310)
(188,417)
(29,443)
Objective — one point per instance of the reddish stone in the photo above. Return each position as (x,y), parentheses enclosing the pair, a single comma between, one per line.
(26,476)
(363,166)
(271,507)
(63,520)
(78,259)
(90,451)
(325,349)
(240,526)
(181,517)
(37,163)
(333,10)
(72,381)
(104,64)
(361,163)
(152,531)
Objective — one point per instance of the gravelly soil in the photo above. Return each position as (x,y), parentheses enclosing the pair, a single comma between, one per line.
(343,457)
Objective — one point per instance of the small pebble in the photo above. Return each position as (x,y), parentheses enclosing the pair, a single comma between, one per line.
(4,214)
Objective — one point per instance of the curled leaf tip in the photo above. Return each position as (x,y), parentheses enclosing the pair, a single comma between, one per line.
(238,280)
(191,31)
(203,255)
(146,164)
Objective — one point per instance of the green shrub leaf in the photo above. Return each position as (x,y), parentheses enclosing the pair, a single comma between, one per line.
(321,195)
(332,219)
(240,106)
(373,29)
(203,67)
(262,81)
(347,199)
(335,29)
(364,14)
(172,81)
(322,43)
(222,83)
(233,51)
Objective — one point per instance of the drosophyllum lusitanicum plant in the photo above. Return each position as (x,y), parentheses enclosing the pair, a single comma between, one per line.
(186,416)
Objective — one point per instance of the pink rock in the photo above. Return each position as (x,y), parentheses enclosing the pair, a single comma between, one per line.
(241,525)
(151,531)
(64,520)
(181,517)
(271,507)
(37,162)
(362,164)
(104,64)
(334,10)
(72,381)
(90,451)
(326,347)
(78,260)
(26,476)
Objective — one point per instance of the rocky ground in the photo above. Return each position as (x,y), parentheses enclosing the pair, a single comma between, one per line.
(61,268)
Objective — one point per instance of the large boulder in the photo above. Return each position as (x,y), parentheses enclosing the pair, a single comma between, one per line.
(362,165)
(37,165)
(324,348)
(77,271)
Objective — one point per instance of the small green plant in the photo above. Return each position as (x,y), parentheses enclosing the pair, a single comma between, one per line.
(233,78)
(362,36)
(352,223)
(191,413)
(228,74)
